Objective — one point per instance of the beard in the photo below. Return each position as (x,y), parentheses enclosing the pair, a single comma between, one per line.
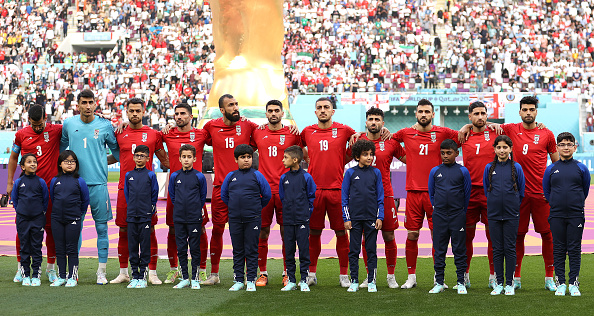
(233,117)
(528,120)
(425,124)
(274,120)
(374,130)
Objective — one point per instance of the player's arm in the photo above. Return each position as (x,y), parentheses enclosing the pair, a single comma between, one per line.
(585,179)
(84,194)
(112,142)
(546,182)
(163,157)
(467,187)
(111,159)
(202,181)
(154,190)
(554,156)
(311,191)
(431,185)
(464,132)
(64,139)
(12,165)
(265,190)
(399,152)
(346,188)
(171,188)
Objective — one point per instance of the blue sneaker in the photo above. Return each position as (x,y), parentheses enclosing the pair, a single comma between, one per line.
(509,290)
(438,288)
(141,284)
(18,277)
(133,284)
(290,286)
(183,283)
(304,286)
(574,290)
(59,282)
(492,282)
(236,287)
(517,283)
(251,286)
(497,290)
(353,287)
(35,282)
(26,281)
(550,284)
(195,284)
(51,275)
(461,288)
(72,282)
(371,287)
(561,289)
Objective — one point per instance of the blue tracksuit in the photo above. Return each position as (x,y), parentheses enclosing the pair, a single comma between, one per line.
(566,184)
(141,190)
(297,191)
(449,191)
(30,198)
(187,189)
(70,200)
(362,205)
(246,192)
(503,212)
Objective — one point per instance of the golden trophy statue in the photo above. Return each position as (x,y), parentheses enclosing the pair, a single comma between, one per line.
(248,38)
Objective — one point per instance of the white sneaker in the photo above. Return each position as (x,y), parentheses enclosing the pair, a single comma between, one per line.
(122,278)
(410,282)
(363,284)
(101,279)
(154,279)
(312,279)
(212,279)
(392,281)
(344,281)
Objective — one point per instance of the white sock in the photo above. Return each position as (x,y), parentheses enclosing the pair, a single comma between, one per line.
(51,266)
(390,275)
(264,272)
(202,270)
(19,266)
(152,272)
(214,274)
(412,277)
(548,278)
(102,267)
(173,268)
(492,276)
(311,274)
(124,271)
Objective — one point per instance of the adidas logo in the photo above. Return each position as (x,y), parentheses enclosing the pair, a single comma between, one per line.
(220,130)
(58,183)
(131,178)
(178,181)
(233,179)
(302,227)
(462,229)
(147,226)
(439,175)
(373,225)
(255,228)
(41,230)
(357,178)
(265,137)
(580,225)
(195,230)
(287,182)
(556,171)
(74,223)
(494,172)
(22,185)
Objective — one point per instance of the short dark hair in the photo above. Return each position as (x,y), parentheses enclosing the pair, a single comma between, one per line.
(243,149)
(529,100)
(449,144)
(565,136)
(142,149)
(325,99)
(223,97)
(184,105)
(134,101)
(274,102)
(425,102)
(362,145)
(63,156)
(187,147)
(86,93)
(374,111)
(476,104)
(36,112)
(295,152)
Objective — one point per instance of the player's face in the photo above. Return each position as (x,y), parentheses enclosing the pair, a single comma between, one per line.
(288,162)
(502,150)
(448,156)
(478,117)
(37,126)
(366,158)
(30,165)
(135,112)
(274,114)
(182,117)
(86,106)
(528,113)
(140,159)
(231,109)
(374,123)
(324,111)
(244,161)
(68,164)
(566,149)
(187,159)
(424,115)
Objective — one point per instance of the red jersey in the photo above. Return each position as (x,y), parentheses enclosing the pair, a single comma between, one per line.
(223,140)
(422,153)
(271,148)
(530,150)
(175,139)
(385,151)
(327,152)
(45,146)
(128,139)
(477,152)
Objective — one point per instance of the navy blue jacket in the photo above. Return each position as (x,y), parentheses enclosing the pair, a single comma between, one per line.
(566,184)
(187,190)
(362,194)
(70,198)
(29,196)
(141,190)
(297,191)
(246,192)
(503,203)
(449,188)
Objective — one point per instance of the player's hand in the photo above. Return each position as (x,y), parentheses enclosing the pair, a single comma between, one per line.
(101,115)
(243,118)
(541,126)
(293,130)
(464,133)
(416,126)
(378,224)
(262,126)
(9,188)
(166,129)
(385,134)
(121,127)
(347,225)
(354,138)
(497,128)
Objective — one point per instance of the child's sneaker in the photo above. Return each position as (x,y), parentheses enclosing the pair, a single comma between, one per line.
(183,283)
(51,275)
(58,282)
(262,280)
(141,284)
(561,289)
(71,282)
(35,282)
(290,287)
(18,277)
(497,290)
(509,290)
(236,287)
(251,286)
(371,287)
(438,288)
(550,284)
(353,287)
(171,276)
(304,287)
(517,283)
(26,281)
(461,288)
(574,290)
(195,285)
(133,284)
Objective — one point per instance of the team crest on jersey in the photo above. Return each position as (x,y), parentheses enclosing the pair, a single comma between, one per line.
(536,138)
(238,130)
(282,140)
(144,137)
(433,137)
(382,145)
(192,137)
(96,134)
(46,136)
(487,136)
(334,132)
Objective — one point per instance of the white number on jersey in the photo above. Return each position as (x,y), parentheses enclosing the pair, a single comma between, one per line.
(373,163)
(39,153)
(229,142)
(424,149)
(478,148)
(85,141)
(272,151)
(525,149)
(133,148)
(324,145)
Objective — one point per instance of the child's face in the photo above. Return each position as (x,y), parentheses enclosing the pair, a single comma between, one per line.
(187,159)
(244,161)
(68,164)
(289,162)
(140,159)
(502,150)
(30,165)
(448,156)
(566,149)
(366,158)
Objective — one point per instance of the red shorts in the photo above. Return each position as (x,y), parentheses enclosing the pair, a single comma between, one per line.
(274,206)
(169,213)
(477,207)
(122,211)
(220,212)
(390,222)
(417,205)
(536,205)
(327,202)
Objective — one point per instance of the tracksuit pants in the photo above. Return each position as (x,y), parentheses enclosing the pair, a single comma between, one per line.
(360,228)
(567,239)
(66,237)
(503,237)
(188,234)
(30,232)
(446,227)
(244,239)
(297,234)
(139,236)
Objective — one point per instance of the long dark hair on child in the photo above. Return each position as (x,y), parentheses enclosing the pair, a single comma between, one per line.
(23,159)
(63,156)
(508,141)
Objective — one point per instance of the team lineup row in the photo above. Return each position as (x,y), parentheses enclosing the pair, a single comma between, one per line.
(326,144)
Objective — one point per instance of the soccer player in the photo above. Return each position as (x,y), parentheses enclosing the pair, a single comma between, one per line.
(271,142)
(224,134)
(326,142)
(423,153)
(133,135)
(88,135)
(43,140)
